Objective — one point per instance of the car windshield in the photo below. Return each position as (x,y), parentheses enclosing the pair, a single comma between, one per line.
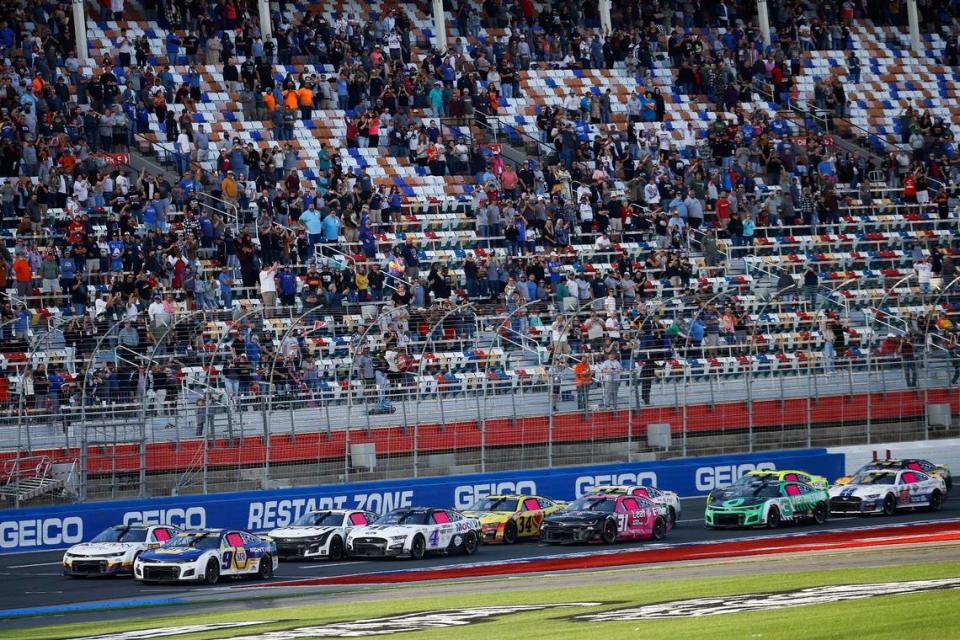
(403,517)
(495,504)
(122,534)
(197,541)
(320,519)
(593,503)
(757,490)
(872,477)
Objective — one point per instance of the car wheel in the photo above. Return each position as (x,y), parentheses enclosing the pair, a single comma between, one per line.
(820,513)
(510,532)
(659,529)
(672,514)
(211,575)
(266,568)
(936,501)
(773,518)
(609,533)
(336,548)
(469,546)
(417,548)
(889,505)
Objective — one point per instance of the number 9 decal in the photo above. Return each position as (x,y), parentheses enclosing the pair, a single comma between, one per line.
(226,558)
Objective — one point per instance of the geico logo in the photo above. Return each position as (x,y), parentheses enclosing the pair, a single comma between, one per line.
(710,478)
(18,534)
(585,483)
(189,518)
(466,495)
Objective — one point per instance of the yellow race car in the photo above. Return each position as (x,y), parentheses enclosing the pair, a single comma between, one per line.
(509,518)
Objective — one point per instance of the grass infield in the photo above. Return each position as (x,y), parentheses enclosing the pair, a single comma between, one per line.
(929,613)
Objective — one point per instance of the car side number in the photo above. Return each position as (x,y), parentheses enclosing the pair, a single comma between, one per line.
(226,558)
(434,539)
(525,525)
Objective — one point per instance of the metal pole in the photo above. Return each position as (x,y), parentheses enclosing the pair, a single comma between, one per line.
(550,424)
(80,31)
(629,418)
(683,433)
(266,29)
(606,25)
(439,26)
(914,22)
(763,18)
(869,396)
(750,408)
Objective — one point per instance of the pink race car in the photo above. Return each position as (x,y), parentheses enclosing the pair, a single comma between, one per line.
(607,519)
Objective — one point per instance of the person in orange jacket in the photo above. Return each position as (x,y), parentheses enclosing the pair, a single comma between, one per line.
(583,377)
(305,99)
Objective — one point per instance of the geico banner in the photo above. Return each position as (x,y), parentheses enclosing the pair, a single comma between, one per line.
(60,526)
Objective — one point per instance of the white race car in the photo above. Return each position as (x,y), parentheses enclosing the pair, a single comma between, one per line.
(413,532)
(206,555)
(668,499)
(113,550)
(319,534)
(887,490)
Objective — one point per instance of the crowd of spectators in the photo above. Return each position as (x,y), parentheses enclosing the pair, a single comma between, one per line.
(107,245)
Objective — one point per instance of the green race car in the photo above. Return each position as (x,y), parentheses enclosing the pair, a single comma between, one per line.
(767,502)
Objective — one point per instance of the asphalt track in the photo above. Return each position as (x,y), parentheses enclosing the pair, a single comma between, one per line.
(33,580)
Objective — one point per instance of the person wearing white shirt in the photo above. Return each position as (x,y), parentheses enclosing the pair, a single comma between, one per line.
(651,194)
(570,302)
(924,270)
(268,286)
(123,182)
(610,371)
(81,191)
(572,105)
(602,243)
(586,217)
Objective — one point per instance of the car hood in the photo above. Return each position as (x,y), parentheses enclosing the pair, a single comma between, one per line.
(385,530)
(859,490)
(573,517)
(737,503)
(104,548)
(173,554)
(489,517)
(300,532)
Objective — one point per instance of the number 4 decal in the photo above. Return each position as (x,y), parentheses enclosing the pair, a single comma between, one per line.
(435,538)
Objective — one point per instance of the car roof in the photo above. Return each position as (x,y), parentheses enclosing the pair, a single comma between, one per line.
(511,496)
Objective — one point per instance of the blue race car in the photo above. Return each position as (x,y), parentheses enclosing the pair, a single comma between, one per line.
(206,555)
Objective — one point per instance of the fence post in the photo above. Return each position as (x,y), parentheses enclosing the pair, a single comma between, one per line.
(683,425)
(551,410)
(810,382)
(632,382)
(869,396)
(750,408)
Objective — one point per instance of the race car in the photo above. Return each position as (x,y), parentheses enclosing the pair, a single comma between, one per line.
(113,550)
(913,464)
(508,518)
(780,475)
(767,502)
(414,532)
(206,555)
(607,519)
(318,534)
(668,499)
(886,490)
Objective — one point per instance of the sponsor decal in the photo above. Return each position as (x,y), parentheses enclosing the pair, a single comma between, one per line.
(698,607)
(363,628)
(26,534)
(165,632)
(185,518)
(717,476)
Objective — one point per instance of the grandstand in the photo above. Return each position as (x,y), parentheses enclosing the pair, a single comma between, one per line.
(233,262)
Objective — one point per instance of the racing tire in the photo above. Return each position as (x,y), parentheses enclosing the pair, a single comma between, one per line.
(659,529)
(211,574)
(672,515)
(265,571)
(417,548)
(470,544)
(889,505)
(773,518)
(510,532)
(936,501)
(608,534)
(336,548)
(820,512)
